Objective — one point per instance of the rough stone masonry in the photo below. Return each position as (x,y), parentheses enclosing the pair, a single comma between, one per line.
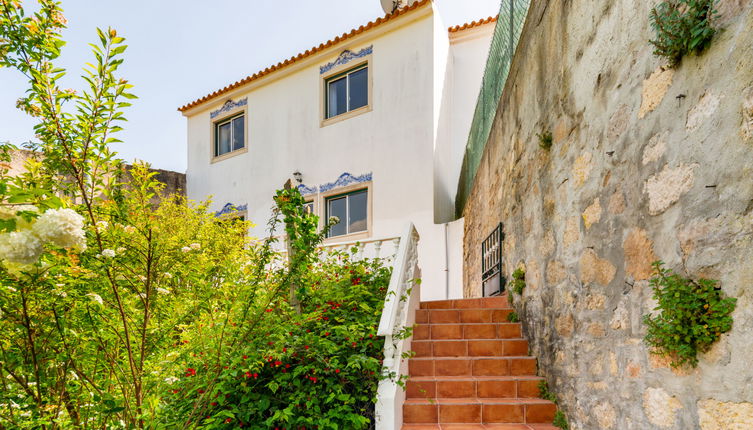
(648,163)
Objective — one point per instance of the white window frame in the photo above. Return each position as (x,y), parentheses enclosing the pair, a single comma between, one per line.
(346,70)
(214,132)
(344,192)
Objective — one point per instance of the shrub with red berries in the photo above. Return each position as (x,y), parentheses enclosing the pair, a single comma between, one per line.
(272,367)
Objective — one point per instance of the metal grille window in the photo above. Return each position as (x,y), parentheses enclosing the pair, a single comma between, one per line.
(491,263)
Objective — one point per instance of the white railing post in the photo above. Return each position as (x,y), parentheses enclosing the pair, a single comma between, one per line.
(398,313)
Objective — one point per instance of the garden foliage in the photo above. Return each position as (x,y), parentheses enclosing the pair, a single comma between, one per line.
(692,315)
(123,307)
(682,27)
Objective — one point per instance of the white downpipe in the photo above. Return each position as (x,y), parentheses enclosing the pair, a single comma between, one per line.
(446,264)
(399,311)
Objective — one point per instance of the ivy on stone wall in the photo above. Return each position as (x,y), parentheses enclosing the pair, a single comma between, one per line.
(682,27)
(692,315)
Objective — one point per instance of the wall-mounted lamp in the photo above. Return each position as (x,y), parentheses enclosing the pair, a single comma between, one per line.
(298,176)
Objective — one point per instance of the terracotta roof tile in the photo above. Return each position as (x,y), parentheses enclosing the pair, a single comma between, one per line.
(472,24)
(307,53)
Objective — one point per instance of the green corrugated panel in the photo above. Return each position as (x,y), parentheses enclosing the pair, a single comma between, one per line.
(512,16)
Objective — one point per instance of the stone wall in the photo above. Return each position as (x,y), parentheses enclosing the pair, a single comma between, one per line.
(647,164)
(175,182)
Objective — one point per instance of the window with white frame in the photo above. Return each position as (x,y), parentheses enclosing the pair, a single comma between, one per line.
(352,211)
(347,91)
(229,135)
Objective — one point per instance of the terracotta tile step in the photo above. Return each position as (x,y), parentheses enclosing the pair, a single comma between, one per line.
(478,411)
(467,331)
(479,427)
(472,366)
(470,348)
(450,316)
(487,302)
(432,387)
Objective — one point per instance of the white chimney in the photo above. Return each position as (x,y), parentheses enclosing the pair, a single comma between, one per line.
(390,6)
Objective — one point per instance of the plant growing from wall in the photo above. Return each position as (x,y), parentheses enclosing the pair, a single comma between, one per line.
(682,27)
(545,140)
(692,315)
(560,420)
(513,317)
(518,283)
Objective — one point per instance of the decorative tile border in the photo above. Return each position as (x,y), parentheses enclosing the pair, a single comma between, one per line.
(345,57)
(228,106)
(230,208)
(306,190)
(345,179)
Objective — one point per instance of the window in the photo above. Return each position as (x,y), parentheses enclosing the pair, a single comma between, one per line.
(229,135)
(347,91)
(351,209)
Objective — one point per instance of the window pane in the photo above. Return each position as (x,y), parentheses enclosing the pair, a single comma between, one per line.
(336,207)
(359,88)
(223,138)
(238,140)
(357,207)
(336,97)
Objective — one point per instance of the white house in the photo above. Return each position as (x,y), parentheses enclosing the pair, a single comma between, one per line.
(374,122)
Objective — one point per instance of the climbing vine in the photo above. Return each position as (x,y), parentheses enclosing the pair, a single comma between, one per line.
(692,316)
(682,27)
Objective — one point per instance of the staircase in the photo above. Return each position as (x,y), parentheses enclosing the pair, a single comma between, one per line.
(471,370)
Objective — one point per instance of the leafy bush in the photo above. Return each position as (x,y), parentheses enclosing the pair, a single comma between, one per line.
(682,27)
(513,317)
(518,280)
(124,308)
(319,368)
(692,316)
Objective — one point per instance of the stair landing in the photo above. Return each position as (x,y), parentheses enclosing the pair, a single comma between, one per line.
(471,370)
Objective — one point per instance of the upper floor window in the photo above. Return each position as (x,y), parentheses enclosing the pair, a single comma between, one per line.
(351,209)
(347,91)
(229,135)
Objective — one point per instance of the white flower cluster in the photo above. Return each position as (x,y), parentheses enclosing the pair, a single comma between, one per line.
(62,227)
(20,247)
(193,247)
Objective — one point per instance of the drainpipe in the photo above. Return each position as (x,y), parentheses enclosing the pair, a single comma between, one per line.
(446,264)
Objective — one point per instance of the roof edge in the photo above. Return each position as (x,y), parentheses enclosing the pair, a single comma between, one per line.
(473,24)
(309,52)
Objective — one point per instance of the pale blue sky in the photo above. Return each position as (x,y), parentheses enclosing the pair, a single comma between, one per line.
(182,50)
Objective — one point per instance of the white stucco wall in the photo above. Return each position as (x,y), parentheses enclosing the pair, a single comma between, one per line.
(468,50)
(395,141)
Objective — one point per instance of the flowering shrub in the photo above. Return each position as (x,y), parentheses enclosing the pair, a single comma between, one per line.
(117,312)
(316,369)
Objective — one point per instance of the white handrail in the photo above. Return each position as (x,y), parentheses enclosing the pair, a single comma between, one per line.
(398,312)
(372,248)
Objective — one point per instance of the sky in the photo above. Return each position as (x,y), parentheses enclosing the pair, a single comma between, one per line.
(181,50)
